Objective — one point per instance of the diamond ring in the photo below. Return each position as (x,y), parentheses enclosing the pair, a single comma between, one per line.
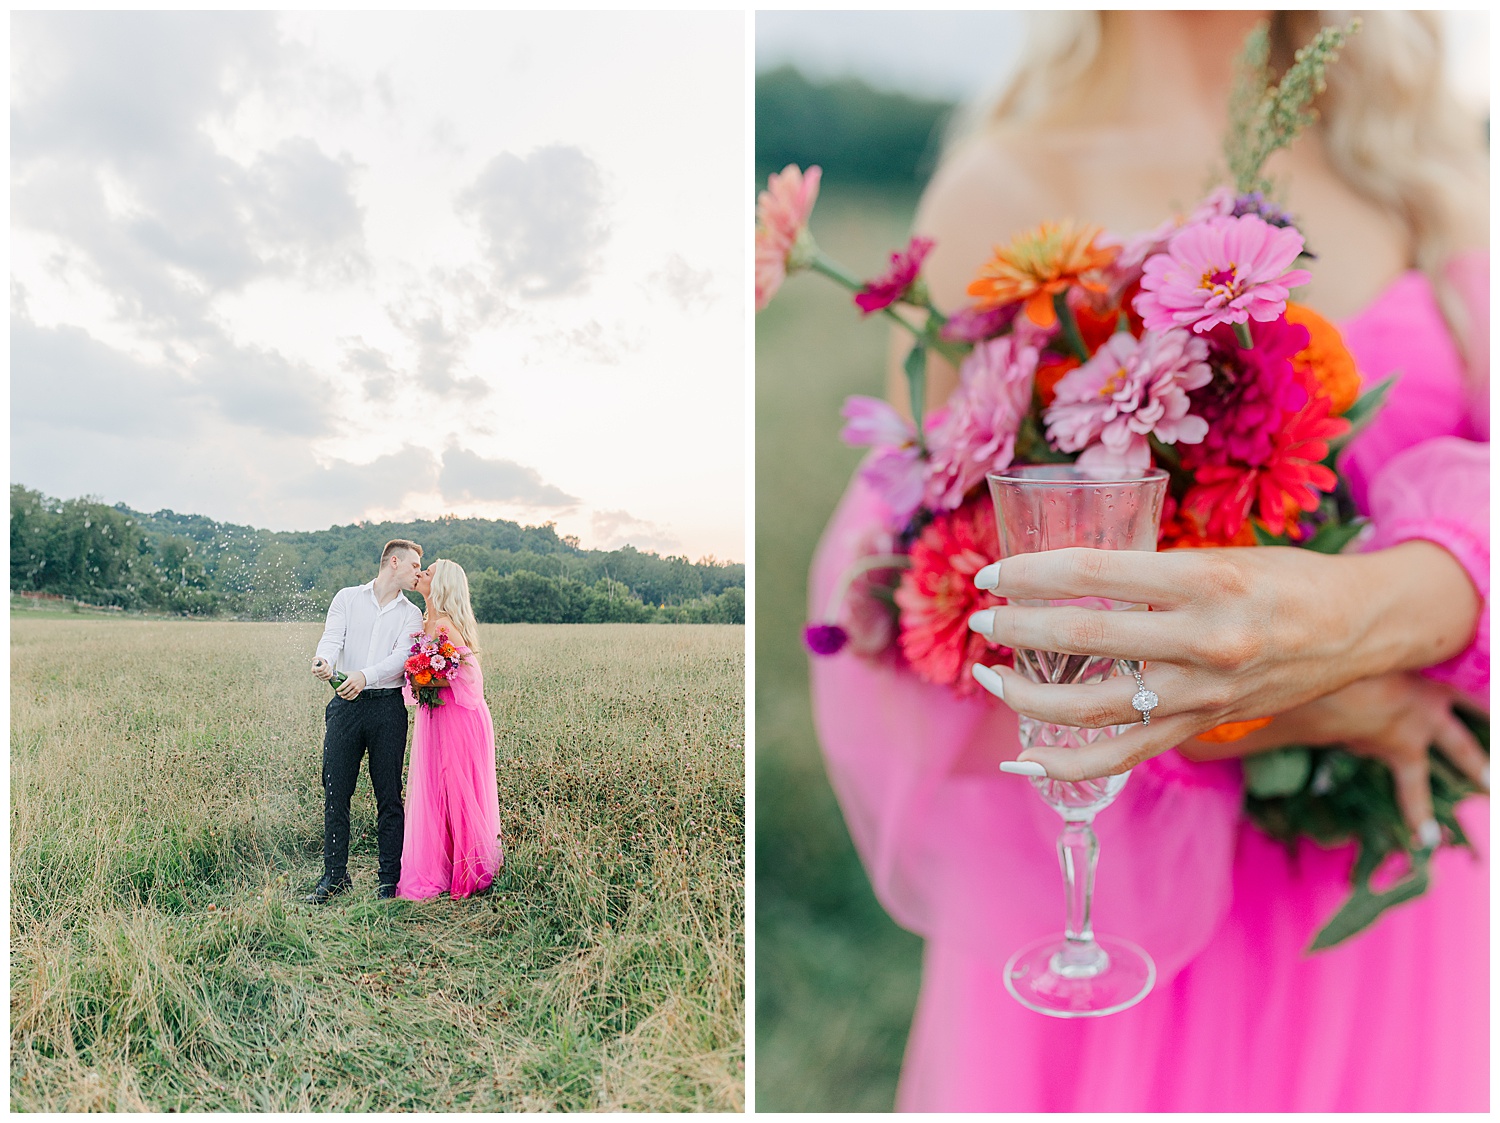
(1145,700)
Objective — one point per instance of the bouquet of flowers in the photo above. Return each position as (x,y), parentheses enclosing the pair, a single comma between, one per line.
(432,661)
(1177,348)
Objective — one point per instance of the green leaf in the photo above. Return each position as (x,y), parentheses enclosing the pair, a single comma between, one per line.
(1332,537)
(1278,772)
(1362,412)
(1365,906)
(1264,537)
(916,380)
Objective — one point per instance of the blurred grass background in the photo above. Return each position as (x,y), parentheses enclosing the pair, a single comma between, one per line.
(836,980)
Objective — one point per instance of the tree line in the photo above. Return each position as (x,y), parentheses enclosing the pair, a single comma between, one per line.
(860,136)
(192,565)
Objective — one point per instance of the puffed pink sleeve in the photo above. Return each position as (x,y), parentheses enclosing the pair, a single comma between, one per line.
(1421,469)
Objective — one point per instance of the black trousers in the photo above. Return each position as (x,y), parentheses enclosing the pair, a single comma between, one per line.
(350,729)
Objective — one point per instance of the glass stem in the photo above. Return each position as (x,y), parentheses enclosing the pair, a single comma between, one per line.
(1078,851)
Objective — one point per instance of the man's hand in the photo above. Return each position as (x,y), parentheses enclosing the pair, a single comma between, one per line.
(352,686)
(321,669)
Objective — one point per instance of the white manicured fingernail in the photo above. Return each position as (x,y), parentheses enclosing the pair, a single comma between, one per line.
(982,621)
(988,577)
(1023,768)
(1429,834)
(989,680)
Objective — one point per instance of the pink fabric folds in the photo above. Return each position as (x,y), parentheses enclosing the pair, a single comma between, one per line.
(452,842)
(1241,1019)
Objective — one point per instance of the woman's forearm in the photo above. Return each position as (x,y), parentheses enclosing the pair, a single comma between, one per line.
(1420,608)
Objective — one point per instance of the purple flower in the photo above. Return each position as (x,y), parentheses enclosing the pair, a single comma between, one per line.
(1257,204)
(1222,271)
(1130,389)
(825,639)
(978,432)
(896,470)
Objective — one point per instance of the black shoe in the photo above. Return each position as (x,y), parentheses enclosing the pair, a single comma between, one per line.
(327,889)
(386,892)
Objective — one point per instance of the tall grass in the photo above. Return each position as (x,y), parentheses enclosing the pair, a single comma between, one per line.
(166,821)
(836,981)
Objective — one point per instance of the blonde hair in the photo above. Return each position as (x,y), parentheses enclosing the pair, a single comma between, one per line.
(449,596)
(1392,128)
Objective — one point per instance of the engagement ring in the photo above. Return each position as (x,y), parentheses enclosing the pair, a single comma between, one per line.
(1145,700)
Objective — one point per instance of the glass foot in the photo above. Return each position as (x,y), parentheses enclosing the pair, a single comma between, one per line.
(1038,979)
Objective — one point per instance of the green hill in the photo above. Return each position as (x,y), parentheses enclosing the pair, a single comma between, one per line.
(192,565)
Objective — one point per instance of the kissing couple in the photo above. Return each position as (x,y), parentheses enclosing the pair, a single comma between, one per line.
(381,654)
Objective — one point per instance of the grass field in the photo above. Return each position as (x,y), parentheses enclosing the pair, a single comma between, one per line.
(166,820)
(836,980)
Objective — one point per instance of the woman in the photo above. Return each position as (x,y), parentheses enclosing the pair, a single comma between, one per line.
(452,840)
(1115,117)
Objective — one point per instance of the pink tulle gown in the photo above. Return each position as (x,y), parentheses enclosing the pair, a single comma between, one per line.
(452,843)
(1396,1019)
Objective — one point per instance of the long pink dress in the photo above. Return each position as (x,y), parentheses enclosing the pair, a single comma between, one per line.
(452,843)
(1241,1019)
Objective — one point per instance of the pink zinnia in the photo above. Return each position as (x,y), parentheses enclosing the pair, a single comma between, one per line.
(1220,201)
(937,596)
(1131,389)
(896,470)
(1222,271)
(781,214)
(893,284)
(978,433)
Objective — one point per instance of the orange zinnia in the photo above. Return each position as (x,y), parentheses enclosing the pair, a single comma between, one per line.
(1039,265)
(1325,362)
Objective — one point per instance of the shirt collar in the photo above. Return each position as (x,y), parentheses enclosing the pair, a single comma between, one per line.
(382,609)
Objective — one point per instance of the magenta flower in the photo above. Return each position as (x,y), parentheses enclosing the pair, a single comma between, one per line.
(1131,389)
(972,325)
(782,244)
(897,470)
(1222,271)
(978,432)
(892,285)
(1247,406)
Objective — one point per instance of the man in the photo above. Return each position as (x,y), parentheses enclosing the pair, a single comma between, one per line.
(367,638)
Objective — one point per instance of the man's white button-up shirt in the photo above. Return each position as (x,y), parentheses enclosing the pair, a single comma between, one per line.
(363,635)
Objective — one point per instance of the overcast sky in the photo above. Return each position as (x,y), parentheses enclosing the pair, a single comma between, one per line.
(957,55)
(302,270)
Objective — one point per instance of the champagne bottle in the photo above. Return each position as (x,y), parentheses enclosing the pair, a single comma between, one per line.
(338,679)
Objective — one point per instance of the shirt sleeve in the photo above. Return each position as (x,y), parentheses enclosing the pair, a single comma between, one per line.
(334,629)
(390,666)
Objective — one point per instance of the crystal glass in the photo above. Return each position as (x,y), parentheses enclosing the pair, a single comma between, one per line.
(1050,507)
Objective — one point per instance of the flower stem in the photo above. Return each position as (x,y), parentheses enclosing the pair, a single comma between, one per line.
(857,570)
(1242,333)
(1070,333)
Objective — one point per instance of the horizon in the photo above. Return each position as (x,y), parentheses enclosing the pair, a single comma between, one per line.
(702,559)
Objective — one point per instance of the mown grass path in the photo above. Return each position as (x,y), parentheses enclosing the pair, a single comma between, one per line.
(166,820)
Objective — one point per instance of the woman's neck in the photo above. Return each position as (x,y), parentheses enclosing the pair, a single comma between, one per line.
(1163,70)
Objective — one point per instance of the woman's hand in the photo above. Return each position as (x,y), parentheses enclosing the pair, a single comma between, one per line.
(1395,719)
(1233,635)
